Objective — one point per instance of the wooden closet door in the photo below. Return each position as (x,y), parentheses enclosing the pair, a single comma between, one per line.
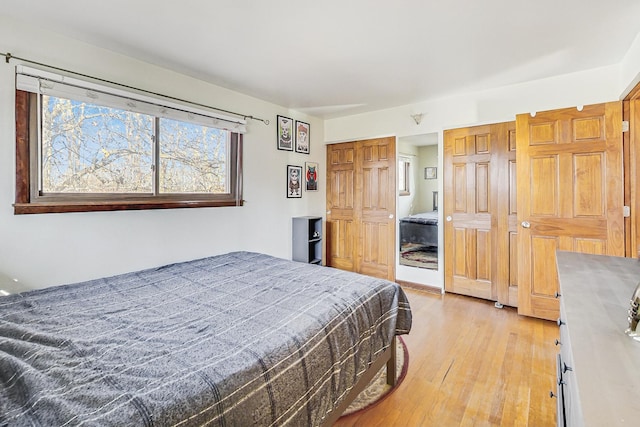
(570,195)
(376,207)
(361,195)
(341,218)
(476,197)
(508,223)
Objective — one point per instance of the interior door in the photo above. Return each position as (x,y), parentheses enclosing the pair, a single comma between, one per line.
(475,211)
(376,207)
(361,195)
(570,195)
(341,215)
(508,223)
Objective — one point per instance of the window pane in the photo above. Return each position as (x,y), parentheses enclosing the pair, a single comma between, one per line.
(193,158)
(88,148)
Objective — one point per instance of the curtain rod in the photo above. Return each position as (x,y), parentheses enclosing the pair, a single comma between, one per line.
(8,56)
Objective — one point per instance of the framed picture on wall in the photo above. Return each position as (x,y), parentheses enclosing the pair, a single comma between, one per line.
(302,137)
(311,176)
(285,133)
(430,173)
(294,181)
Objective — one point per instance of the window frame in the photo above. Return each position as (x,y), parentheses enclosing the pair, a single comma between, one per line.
(405,170)
(29,201)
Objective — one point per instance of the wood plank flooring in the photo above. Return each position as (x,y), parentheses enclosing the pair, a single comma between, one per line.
(470,364)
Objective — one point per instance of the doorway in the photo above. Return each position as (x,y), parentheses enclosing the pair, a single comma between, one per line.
(418,250)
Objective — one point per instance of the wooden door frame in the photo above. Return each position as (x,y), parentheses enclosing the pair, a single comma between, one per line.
(631,156)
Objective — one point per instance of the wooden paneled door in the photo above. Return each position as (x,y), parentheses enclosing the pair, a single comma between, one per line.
(570,195)
(479,211)
(376,207)
(340,227)
(361,195)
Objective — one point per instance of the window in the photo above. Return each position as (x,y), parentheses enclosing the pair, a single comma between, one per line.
(76,154)
(404,177)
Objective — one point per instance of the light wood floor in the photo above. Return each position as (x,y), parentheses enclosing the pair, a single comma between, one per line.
(470,364)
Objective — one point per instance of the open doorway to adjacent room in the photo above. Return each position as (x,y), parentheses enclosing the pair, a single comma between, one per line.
(418,199)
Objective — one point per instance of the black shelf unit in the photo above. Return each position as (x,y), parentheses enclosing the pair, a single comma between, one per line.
(307,239)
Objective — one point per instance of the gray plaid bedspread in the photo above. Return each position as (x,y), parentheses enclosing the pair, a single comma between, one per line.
(233,340)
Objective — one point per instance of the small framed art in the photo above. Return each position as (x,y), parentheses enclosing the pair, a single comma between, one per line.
(294,181)
(285,133)
(303,134)
(430,173)
(311,176)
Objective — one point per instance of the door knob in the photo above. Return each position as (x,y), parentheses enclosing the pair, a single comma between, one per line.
(448,218)
(328,212)
(526,224)
(391,216)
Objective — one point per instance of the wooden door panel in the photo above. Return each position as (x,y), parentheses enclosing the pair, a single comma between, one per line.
(477,181)
(340,191)
(483,186)
(588,171)
(374,255)
(543,190)
(482,143)
(472,287)
(543,273)
(470,254)
(460,146)
(512,294)
(572,162)
(340,239)
(375,190)
(473,264)
(483,255)
(590,246)
(460,187)
(460,252)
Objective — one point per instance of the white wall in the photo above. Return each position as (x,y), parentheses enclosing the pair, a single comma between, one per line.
(42,250)
(491,106)
(406,203)
(630,68)
(427,157)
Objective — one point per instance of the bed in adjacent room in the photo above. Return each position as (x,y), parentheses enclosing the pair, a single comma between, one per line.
(420,229)
(236,339)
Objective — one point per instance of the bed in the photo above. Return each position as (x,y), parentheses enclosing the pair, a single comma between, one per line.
(420,229)
(236,339)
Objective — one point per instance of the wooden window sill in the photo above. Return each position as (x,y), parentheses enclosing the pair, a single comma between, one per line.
(86,206)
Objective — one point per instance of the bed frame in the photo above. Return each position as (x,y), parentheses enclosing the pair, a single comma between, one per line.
(388,357)
(423,234)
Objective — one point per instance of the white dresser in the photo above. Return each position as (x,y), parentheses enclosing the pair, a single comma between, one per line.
(598,365)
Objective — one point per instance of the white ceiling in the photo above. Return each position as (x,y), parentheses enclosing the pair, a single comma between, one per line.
(339,57)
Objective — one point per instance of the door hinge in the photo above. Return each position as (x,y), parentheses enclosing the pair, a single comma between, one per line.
(625,126)
(626,211)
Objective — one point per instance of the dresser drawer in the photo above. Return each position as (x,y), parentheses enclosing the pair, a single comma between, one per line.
(571,411)
(561,419)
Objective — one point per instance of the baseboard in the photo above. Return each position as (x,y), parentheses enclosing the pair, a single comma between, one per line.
(420,287)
